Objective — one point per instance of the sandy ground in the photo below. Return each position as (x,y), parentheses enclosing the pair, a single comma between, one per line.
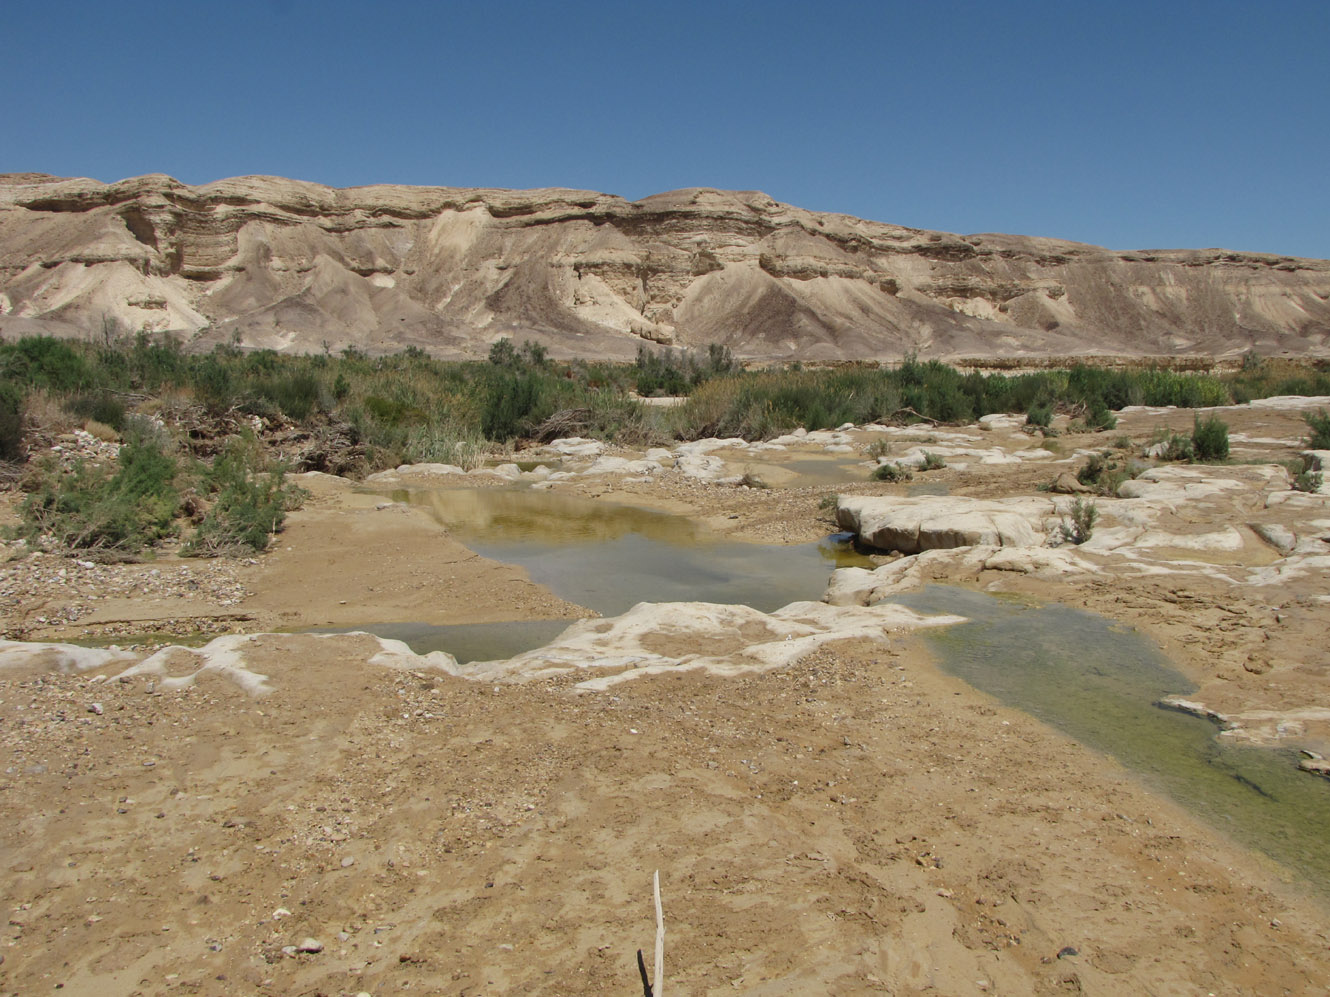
(856,823)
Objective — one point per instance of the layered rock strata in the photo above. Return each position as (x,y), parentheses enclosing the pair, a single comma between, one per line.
(274,263)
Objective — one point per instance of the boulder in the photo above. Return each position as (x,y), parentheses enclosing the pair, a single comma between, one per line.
(914,524)
(1068,484)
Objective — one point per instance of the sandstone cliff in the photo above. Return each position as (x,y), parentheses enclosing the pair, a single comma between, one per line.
(298,266)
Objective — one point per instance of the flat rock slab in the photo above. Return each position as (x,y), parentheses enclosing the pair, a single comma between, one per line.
(930,522)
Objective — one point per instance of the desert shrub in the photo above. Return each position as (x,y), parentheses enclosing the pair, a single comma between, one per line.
(1039,414)
(1306,476)
(393,411)
(92,508)
(250,503)
(1099,416)
(43,362)
(1179,448)
(153,365)
(1079,527)
(660,373)
(1209,438)
(879,448)
(1106,472)
(1318,425)
(103,408)
(751,479)
(512,406)
(11,422)
(503,353)
(295,395)
(932,462)
(213,383)
(892,473)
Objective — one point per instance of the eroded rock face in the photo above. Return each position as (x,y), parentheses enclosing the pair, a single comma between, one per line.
(297,266)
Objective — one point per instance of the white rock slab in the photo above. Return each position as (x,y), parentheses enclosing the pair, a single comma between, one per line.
(918,523)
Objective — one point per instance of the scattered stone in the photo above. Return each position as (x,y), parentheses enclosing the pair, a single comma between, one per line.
(1068,484)
(310,945)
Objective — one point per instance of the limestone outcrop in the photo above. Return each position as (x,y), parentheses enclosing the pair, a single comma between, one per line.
(283,264)
(932,522)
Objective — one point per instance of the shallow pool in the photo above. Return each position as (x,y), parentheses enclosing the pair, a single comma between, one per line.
(1099,682)
(611,557)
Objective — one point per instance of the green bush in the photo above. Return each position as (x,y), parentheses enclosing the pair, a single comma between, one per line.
(1105,473)
(250,504)
(1178,447)
(892,473)
(43,362)
(103,408)
(213,382)
(1318,423)
(1039,414)
(1209,439)
(93,508)
(512,406)
(11,422)
(1306,478)
(1080,527)
(295,395)
(932,462)
(660,374)
(503,353)
(1100,416)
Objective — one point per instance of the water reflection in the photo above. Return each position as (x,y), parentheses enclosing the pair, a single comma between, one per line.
(610,557)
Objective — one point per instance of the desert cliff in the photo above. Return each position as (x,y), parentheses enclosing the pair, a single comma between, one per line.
(283,264)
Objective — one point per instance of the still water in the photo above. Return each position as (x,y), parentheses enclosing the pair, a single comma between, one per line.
(611,557)
(1099,681)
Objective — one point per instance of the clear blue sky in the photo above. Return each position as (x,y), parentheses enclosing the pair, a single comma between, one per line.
(1133,125)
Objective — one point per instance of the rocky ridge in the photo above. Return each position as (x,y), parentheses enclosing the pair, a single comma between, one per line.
(283,264)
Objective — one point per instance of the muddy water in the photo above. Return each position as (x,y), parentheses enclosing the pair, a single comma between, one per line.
(608,558)
(611,557)
(1098,682)
(827,471)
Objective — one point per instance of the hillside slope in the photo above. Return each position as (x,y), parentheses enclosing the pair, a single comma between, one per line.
(278,263)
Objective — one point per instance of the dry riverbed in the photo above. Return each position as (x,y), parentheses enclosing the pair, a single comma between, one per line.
(850,821)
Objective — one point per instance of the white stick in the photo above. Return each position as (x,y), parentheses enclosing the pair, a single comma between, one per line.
(658,989)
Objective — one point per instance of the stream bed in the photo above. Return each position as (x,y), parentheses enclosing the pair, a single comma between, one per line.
(1094,679)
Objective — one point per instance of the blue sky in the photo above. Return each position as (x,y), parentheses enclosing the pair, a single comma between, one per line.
(1131,125)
